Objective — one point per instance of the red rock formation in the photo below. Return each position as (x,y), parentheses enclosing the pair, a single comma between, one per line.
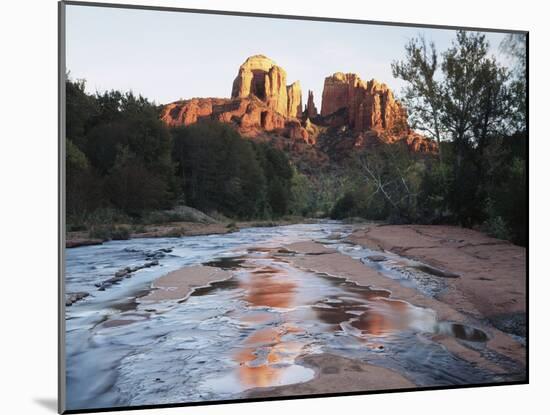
(310,110)
(251,77)
(295,131)
(294,94)
(189,112)
(420,144)
(249,115)
(362,113)
(362,105)
(260,76)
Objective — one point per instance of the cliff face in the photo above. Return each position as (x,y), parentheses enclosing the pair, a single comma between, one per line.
(362,105)
(250,115)
(354,113)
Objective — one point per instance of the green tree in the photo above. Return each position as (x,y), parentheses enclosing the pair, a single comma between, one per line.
(422,93)
(132,187)
(514,46)
(467,99)
(475,98)
(220,171)
(104,132)
(80,109)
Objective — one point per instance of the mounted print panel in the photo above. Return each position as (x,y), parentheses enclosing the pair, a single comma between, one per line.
(261,207)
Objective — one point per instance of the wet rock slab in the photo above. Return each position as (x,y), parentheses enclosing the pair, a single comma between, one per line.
(487,276)
(71,298)
(447,308)
(336,374)
(177,285)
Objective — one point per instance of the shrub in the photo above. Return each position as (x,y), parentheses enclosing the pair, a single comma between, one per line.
(106,216)
(495,225)
(344,207)
(110,232)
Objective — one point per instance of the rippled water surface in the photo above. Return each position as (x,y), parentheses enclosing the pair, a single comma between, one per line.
(242,333)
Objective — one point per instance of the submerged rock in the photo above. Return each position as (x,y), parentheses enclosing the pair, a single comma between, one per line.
(377,258)
(126,273)
(428,269)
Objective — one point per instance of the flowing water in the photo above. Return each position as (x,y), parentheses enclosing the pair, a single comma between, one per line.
(244,332)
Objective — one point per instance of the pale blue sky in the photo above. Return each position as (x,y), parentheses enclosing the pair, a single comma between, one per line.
(170,55)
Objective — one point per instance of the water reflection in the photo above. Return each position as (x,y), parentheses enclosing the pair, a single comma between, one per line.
(266,358)
(269,287)
(286,305)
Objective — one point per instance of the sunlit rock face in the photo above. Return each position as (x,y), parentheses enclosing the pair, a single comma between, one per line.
(294,94)
(261,101)
(249,115)
(362,105)
(354,113)
(261,77)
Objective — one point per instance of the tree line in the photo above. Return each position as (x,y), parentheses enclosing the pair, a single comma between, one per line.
(122,162)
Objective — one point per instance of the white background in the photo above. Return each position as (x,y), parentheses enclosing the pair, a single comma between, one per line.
(28,189)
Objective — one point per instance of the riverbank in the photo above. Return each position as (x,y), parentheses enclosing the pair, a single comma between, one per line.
(491,281)
(176,230)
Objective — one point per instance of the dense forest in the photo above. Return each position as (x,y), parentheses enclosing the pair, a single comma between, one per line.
(123,163)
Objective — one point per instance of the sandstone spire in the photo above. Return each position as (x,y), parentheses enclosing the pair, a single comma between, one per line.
(310,110)
(294,93)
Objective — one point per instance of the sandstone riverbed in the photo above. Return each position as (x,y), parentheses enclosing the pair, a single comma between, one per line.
(292,310)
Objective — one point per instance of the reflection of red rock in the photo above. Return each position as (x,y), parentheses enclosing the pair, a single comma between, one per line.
(258,375)
(279,352)
(269,288)
(384,317)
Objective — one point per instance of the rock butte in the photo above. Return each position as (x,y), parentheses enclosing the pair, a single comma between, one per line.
(354,113)
(362,105)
